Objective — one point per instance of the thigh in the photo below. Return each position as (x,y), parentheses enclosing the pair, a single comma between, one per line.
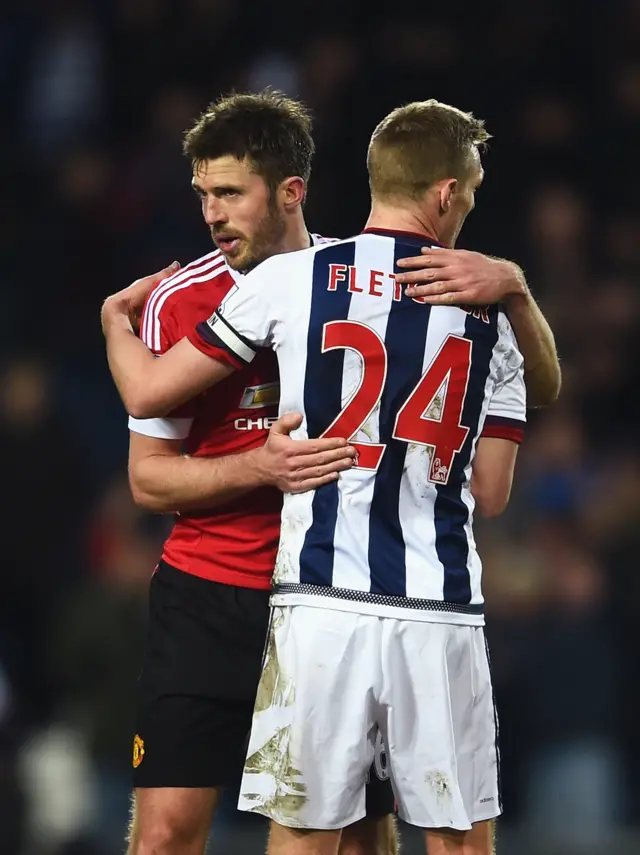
(440,720)
(293,841)
(370,836)
(313,727)
(480,840)
(170,817)
(197,687)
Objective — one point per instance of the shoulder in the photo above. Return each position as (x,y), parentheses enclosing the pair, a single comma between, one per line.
(505,330)
(301,258)
(188,291)
(507,343)
(167,293)
(276,272)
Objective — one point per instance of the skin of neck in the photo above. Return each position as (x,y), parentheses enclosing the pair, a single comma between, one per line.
(407,216)
(296,234)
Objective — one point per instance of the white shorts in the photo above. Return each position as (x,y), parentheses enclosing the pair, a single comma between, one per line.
(331,679)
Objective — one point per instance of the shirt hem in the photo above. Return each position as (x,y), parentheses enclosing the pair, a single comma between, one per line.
(232,578)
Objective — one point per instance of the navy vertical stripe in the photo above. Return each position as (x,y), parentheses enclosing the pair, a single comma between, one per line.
(322,403)
(451,513)
(405,340)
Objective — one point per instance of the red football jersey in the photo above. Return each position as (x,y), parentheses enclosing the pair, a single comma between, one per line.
(235,543)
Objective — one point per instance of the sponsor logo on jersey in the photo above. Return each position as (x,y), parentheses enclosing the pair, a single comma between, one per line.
(265,395)
(138,751)
(255,424)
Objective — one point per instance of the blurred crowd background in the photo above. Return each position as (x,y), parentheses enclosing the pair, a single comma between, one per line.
(95,193)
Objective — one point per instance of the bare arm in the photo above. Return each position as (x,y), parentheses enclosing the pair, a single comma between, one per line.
(492,475)
(457,276)
(165,481)
(537,344)
(154,386)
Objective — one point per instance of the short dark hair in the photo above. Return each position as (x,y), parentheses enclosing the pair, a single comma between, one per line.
(268,128)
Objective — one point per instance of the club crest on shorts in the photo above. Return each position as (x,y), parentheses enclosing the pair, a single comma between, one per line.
(138,751)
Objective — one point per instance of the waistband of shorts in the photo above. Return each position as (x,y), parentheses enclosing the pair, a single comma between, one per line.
(412,608)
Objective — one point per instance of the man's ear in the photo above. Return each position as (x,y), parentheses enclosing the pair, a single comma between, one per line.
(292,191)
(448,189)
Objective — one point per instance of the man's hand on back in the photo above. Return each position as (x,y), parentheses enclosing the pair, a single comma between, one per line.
(295,466)
(445,277)
(130,301)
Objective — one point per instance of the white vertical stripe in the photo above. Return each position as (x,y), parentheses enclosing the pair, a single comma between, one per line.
(425,572)
(351,563)
(291,349)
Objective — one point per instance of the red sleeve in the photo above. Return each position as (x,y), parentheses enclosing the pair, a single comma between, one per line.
(499,427)
(161,327)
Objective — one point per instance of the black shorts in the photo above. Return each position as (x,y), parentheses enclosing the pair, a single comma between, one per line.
(198,683)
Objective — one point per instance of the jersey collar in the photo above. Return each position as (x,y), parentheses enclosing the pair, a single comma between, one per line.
(406,237)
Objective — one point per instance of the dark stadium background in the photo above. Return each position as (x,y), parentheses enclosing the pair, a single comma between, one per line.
(95,193)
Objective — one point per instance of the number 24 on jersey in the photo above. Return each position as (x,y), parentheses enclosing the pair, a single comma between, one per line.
(431,414)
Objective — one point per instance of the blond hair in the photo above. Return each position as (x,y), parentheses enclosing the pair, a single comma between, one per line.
(419,144)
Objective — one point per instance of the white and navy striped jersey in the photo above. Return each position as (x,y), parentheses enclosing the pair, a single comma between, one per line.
(413,387)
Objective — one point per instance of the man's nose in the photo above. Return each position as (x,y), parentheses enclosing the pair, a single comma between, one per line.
(213,213)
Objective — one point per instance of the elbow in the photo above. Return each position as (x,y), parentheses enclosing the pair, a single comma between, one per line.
(145,401)
(140,407)
(489,510)
(546,392)
(145,499)
(492,503)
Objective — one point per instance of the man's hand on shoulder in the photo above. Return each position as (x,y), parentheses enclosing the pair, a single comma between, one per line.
(445,277)
(295,466)
(129,302)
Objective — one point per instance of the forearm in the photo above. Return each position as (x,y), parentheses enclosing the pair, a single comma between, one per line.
(492,475)
(166,483)
(537,345)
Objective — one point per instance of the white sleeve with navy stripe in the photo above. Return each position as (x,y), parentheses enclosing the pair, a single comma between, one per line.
(411,386)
